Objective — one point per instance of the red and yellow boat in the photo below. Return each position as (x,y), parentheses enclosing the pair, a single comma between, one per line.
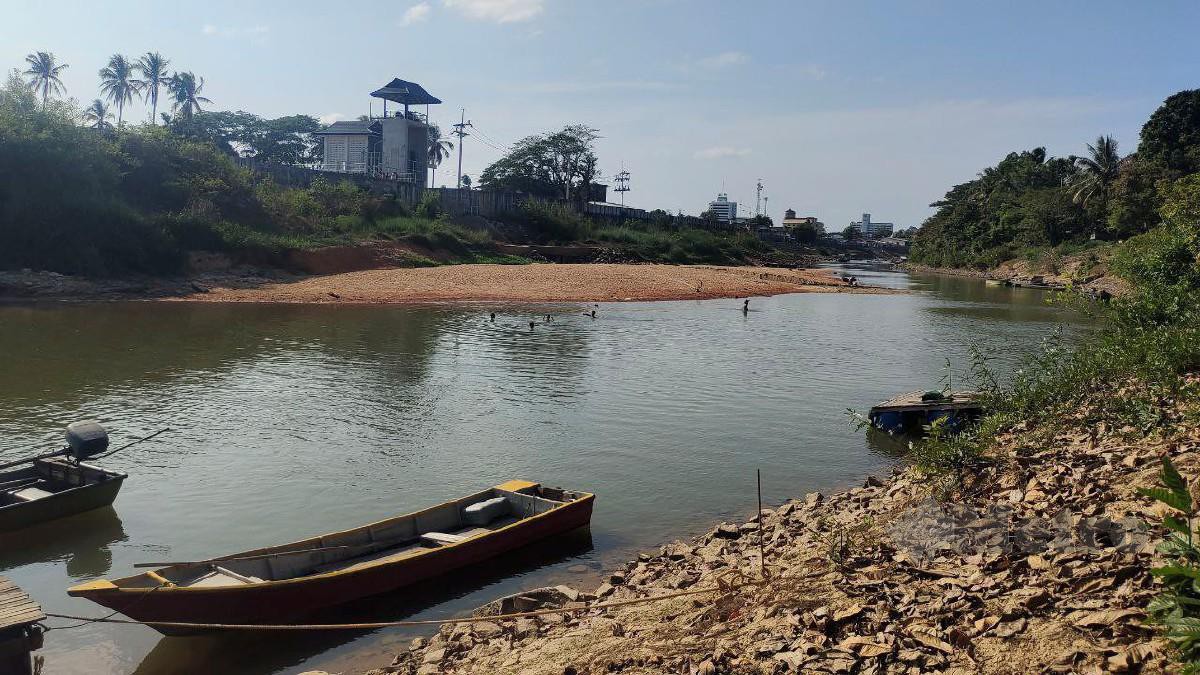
(278,583)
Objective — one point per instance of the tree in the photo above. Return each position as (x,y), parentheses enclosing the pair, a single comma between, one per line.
(43,73)
(466,181)
(1097,172)
(97,116)
(439,150)
(117,84)
(284,140)
(851,233)
(557,165)
(1171,137)
(808,232)
(153,68)
(185,91)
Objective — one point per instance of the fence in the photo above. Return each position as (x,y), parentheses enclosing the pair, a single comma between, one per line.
(451,201)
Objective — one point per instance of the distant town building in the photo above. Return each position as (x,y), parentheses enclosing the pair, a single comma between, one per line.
(790,219)
(872,230)
(725,210)
(393,146)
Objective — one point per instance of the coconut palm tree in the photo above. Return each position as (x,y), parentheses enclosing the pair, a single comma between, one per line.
(97,115)
(153,68)
(439,150)
(43,74)
(185,90)
(1097,172)
(118,84)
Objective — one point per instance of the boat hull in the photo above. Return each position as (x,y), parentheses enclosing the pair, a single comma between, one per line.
(281,601)
(60,505)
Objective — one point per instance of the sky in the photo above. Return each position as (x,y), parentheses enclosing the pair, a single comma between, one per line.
(839,107)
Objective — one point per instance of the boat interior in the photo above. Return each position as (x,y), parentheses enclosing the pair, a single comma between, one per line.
(47,477)
(382,542)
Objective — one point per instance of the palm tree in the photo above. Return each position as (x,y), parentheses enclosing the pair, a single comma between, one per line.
(1097,172)
(153,67)
(185,90)
(98,115)
(439,150)
(43,74)
(118,85)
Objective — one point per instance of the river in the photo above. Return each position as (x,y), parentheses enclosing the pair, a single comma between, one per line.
(288,421)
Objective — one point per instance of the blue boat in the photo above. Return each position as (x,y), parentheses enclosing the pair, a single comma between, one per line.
(913,413)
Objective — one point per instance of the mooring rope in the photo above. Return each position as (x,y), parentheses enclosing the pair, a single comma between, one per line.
(724,588)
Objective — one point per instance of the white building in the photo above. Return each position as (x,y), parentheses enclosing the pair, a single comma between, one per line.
(393,146)
(871,230)
(725,210)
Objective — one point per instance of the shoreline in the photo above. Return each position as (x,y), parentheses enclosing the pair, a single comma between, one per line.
(532,283)
(1029,569)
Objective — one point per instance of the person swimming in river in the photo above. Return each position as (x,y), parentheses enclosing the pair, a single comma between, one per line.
(493,317)
(531,325)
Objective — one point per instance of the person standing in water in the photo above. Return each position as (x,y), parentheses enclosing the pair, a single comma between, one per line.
(746,306)
(493,317)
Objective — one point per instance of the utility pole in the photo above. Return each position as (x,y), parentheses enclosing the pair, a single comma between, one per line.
(622,180)
(758,200)
(460,130)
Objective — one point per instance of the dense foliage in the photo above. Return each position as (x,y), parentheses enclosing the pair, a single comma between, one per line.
(99,201)
(556,165)
(1030,201)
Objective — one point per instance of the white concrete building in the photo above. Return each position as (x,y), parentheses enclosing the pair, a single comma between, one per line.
(394,146)
(872,230)
(725,210)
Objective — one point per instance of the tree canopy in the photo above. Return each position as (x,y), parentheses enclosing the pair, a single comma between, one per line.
(555,165)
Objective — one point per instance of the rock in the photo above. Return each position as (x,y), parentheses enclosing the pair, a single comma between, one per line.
(604,590)
(727,531)
(578,569)
(434,656)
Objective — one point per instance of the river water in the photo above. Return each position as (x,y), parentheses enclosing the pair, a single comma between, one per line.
(288,421)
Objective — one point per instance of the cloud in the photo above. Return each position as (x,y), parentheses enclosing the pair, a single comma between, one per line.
(234,31)
(720,152)
(498,11)
(415,14)
(584,86)
(723,60)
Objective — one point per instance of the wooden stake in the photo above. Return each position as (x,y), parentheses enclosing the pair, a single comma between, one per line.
(762,559)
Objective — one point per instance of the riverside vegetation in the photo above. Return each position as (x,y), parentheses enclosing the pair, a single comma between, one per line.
(105,200)
(1044,210)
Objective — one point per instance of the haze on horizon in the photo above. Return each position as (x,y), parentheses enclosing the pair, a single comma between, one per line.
(839,108)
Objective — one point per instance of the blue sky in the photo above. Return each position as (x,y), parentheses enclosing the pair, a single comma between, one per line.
(839,107)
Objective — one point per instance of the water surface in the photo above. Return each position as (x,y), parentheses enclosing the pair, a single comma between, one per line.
(288,421)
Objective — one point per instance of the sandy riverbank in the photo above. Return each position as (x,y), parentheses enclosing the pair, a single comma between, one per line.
(535,283)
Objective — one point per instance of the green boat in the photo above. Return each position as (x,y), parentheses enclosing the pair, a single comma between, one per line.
(49,487)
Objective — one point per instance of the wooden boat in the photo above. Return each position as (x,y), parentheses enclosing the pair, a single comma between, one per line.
(52,488)
(278,583)
(913,412)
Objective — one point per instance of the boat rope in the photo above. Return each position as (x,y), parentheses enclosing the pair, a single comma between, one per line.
(84,621)
(129,444)
(723,588)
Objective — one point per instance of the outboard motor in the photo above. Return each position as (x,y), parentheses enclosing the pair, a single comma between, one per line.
(86,439)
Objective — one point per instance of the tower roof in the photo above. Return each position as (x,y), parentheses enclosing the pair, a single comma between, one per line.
(407,93)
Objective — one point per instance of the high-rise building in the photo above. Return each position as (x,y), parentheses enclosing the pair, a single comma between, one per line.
(725,210)
(871,230)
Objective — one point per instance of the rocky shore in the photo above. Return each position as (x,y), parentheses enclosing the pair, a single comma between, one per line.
(1095,280)
(1035,563)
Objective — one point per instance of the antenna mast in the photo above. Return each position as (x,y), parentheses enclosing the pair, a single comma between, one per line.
(758,200)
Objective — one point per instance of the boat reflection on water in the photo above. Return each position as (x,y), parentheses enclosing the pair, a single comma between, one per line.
(886,444)
(453,594)
(83,540)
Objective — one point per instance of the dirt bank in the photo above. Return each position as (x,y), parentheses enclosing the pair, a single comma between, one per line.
(1082,273)
(1038,565)
(537,283)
